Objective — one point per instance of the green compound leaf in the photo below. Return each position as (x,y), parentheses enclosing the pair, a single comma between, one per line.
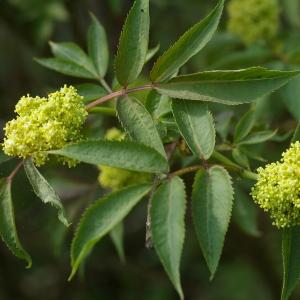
(90,91)
(125,155)
(8,229)
(71,52)
(258,137)
(117,237)
(196,125)
(187,46)
(137,121)
(98,47)
(291,260)
(133,45)
(167,225)
(100,218)
(44,190)
(212,200)
(244,125)
(65,67)
(227,87)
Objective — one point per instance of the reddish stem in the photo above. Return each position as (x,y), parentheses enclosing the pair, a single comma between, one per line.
(119,93)
(14,172)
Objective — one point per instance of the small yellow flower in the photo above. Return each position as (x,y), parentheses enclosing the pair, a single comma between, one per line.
(253,20)
(277,190)
(115,178)
(44,124)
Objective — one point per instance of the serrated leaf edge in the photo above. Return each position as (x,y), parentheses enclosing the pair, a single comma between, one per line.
(182,37)
(207,259)
(76,262)
(173,280)
(160,151)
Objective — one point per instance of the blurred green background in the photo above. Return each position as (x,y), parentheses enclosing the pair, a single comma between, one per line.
(251,265)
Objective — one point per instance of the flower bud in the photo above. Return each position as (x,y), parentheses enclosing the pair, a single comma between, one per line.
(253,20)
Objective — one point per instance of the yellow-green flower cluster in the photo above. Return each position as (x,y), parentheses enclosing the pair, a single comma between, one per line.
(253,20)
(45,124)
(115,178)
(277,190)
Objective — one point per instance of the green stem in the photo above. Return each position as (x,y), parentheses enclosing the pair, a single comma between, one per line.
(243,173)
(233,166)
(249,175)
(103,110)
(186,170)
(226,161)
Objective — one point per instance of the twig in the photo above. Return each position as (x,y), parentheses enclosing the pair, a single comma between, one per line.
(171,149)
(105,98)
(15,171)
(186,170)
(119,93)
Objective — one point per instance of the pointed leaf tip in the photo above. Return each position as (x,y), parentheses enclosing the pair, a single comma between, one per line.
(98,46)
(231,87)
(133,44)
(168,228)
(8,230)
(188,45)
(212,200)
(125,155)
(100,218)
(44,190)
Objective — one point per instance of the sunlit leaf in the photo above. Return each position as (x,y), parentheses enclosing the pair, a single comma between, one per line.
(98,47)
